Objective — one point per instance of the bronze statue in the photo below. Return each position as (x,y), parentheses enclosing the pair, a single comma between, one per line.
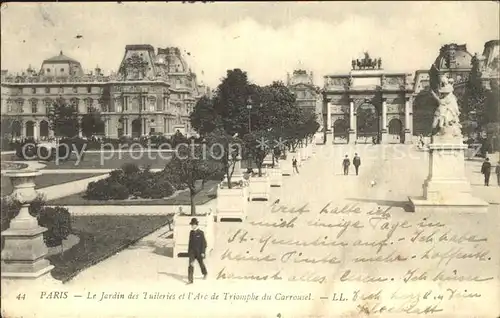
(353,63)
(379,63)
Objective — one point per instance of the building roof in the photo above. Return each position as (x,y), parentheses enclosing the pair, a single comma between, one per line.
(61,58)
(453,56)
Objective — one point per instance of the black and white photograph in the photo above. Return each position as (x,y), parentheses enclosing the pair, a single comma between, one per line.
(250,159)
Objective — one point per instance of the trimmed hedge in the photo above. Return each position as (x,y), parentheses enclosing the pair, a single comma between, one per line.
(132,182)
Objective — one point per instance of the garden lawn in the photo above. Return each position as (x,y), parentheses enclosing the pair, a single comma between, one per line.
(47,180)
(100,238)
(108,160)
(208,193)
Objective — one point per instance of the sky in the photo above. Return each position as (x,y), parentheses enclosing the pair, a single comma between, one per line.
(266,40)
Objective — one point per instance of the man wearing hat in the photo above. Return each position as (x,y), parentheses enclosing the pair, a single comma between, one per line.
(486,171)
(497,172)
(196,250)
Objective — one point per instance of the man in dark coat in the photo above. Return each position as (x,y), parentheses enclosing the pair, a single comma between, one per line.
(346,163)
(497,172)
(486,170)
(356,161)
(294,166)
(196,250)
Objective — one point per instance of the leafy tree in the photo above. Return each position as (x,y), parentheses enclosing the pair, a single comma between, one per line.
(193,164)
(258,144)
(203,117)
(228,148)
(231,100)
(225,115)
(63,119)
(7,126)
(92,123)
(474,99)
(177,139)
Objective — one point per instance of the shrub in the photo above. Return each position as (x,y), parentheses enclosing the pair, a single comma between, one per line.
(58,226)
(47,153)
(141,183)
(158,188)
(130,168)
(177,139)
(106,189)
(58,223)
(26,150)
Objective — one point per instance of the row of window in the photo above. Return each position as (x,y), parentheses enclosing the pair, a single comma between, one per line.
(145,104)
(59,90)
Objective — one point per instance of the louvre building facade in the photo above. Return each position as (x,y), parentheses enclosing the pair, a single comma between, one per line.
(151,92)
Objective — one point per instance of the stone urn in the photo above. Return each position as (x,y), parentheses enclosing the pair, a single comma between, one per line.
(23,256)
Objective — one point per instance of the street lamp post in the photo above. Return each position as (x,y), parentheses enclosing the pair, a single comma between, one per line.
(249,107)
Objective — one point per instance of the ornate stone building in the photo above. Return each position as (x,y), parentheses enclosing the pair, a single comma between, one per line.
(453,61)
(368,102)
(307,94)
(150,93)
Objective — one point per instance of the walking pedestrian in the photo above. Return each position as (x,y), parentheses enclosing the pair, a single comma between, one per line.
(486,170)
(346,163)
(294,166)
(356,161)
(196,250)
(497,172)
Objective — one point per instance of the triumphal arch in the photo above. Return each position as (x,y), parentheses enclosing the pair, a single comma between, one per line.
(368,104)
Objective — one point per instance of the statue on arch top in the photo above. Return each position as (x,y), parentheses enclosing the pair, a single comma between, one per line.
(446,117)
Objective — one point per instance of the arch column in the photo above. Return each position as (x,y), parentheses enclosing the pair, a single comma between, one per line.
(383,131)
(352,122)
(408,120)
(80,132)
(36,128)
(325,117)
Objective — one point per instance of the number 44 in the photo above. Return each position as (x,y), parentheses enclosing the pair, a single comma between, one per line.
(21,296)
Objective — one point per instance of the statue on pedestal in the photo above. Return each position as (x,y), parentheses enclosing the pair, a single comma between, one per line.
(446,117)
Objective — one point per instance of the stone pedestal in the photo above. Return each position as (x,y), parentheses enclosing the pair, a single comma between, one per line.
(232,203)
(384,136)
(268,160)
(275,176)
(408,137)
(23,256)
(260,188)
(352,137)
(286,165)
(446,188)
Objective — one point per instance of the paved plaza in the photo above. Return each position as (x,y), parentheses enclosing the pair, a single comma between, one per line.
(269,259)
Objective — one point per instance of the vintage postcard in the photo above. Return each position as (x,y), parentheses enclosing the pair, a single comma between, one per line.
(250,159)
